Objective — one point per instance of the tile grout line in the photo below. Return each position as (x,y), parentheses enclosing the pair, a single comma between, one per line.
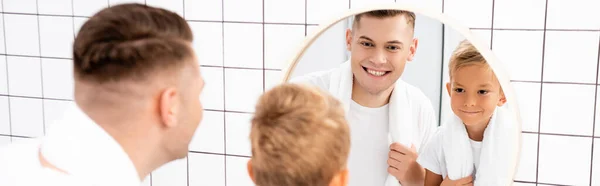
(37,7)
(188,157)
(595,110)
(305,18)
(442,69)
(537,165)
(7,80)
(224,92)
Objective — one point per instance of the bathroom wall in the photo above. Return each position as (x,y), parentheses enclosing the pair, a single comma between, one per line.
(551,50)
(551,47)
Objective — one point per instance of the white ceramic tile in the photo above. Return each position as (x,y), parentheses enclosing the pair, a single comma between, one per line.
(212,96)
(21,34)
(519,14)
(523,61)
(54,110)
(4,140)
(596,163)
(319,11)
(597,120)
(243,45)
(242,89)
(27,118)
(290,11)
(523,184)
(88,7)
(20,6)
(4,116)
(77,23)
(116,2)
(55,7)
(171,5)
(206,169)
(209,136)
(147,181)
(567,109)
(483,36)
(3,76)
(24,76)
(173,173)
(2,35)
(208,42)
(56,36)
(281,43)
(243,10)
(237,127)
(470,13)
(573,14)
(571,56)
(528,100)
(58,78)
(20,140)
(273,78)
(564,160)
(204,10)
(528,158)
(237,172)
(363,3)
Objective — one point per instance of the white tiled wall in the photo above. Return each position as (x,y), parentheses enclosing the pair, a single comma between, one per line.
(552,52)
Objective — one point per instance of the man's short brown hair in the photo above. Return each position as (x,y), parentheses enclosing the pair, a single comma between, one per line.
(299,137)
(130,41)
(410,16)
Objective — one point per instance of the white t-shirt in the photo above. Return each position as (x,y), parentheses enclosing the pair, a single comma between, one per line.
(432,156)
(367,161)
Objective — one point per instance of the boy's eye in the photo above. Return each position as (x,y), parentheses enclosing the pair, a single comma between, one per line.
(459,90)
(482,92)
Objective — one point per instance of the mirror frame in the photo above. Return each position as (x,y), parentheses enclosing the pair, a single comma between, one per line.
(492,60)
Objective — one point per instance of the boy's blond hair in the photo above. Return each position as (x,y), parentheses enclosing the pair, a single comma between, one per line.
(299,136)
(465,54)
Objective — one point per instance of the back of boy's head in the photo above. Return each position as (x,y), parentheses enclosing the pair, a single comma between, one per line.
(465,54)
(299,137)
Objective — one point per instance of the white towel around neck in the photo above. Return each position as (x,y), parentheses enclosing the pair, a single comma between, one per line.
(498,152)
(400,117)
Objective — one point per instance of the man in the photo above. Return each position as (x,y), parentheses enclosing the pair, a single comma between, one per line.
(137,88)
(378,104)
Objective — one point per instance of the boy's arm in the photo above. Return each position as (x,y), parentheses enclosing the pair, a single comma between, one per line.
(432,179)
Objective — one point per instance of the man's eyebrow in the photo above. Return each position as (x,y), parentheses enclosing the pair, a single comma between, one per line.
(390,42)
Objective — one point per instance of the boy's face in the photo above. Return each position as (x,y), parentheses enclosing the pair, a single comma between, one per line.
(474,94)
(380,48)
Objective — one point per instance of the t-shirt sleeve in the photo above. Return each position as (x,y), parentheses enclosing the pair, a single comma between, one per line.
(431,154)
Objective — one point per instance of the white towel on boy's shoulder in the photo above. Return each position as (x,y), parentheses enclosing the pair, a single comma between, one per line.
(499,149)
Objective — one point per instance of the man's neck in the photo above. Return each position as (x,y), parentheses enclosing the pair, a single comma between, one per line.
(141,144)
(367,99)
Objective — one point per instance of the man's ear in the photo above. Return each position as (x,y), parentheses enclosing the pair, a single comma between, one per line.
(340,179)
(250,173)
(413,49)
(448,88)
(348,39)
(168,107)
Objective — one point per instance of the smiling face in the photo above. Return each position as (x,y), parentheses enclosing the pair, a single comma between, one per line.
(474,94)
(380,48)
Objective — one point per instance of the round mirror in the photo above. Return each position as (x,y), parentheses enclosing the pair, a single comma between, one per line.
(420,110)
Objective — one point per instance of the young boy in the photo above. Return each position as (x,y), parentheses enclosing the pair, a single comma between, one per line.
(299,137)
(475,93)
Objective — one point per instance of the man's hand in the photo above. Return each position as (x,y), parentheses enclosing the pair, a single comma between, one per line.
(466,181)
(402,164)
